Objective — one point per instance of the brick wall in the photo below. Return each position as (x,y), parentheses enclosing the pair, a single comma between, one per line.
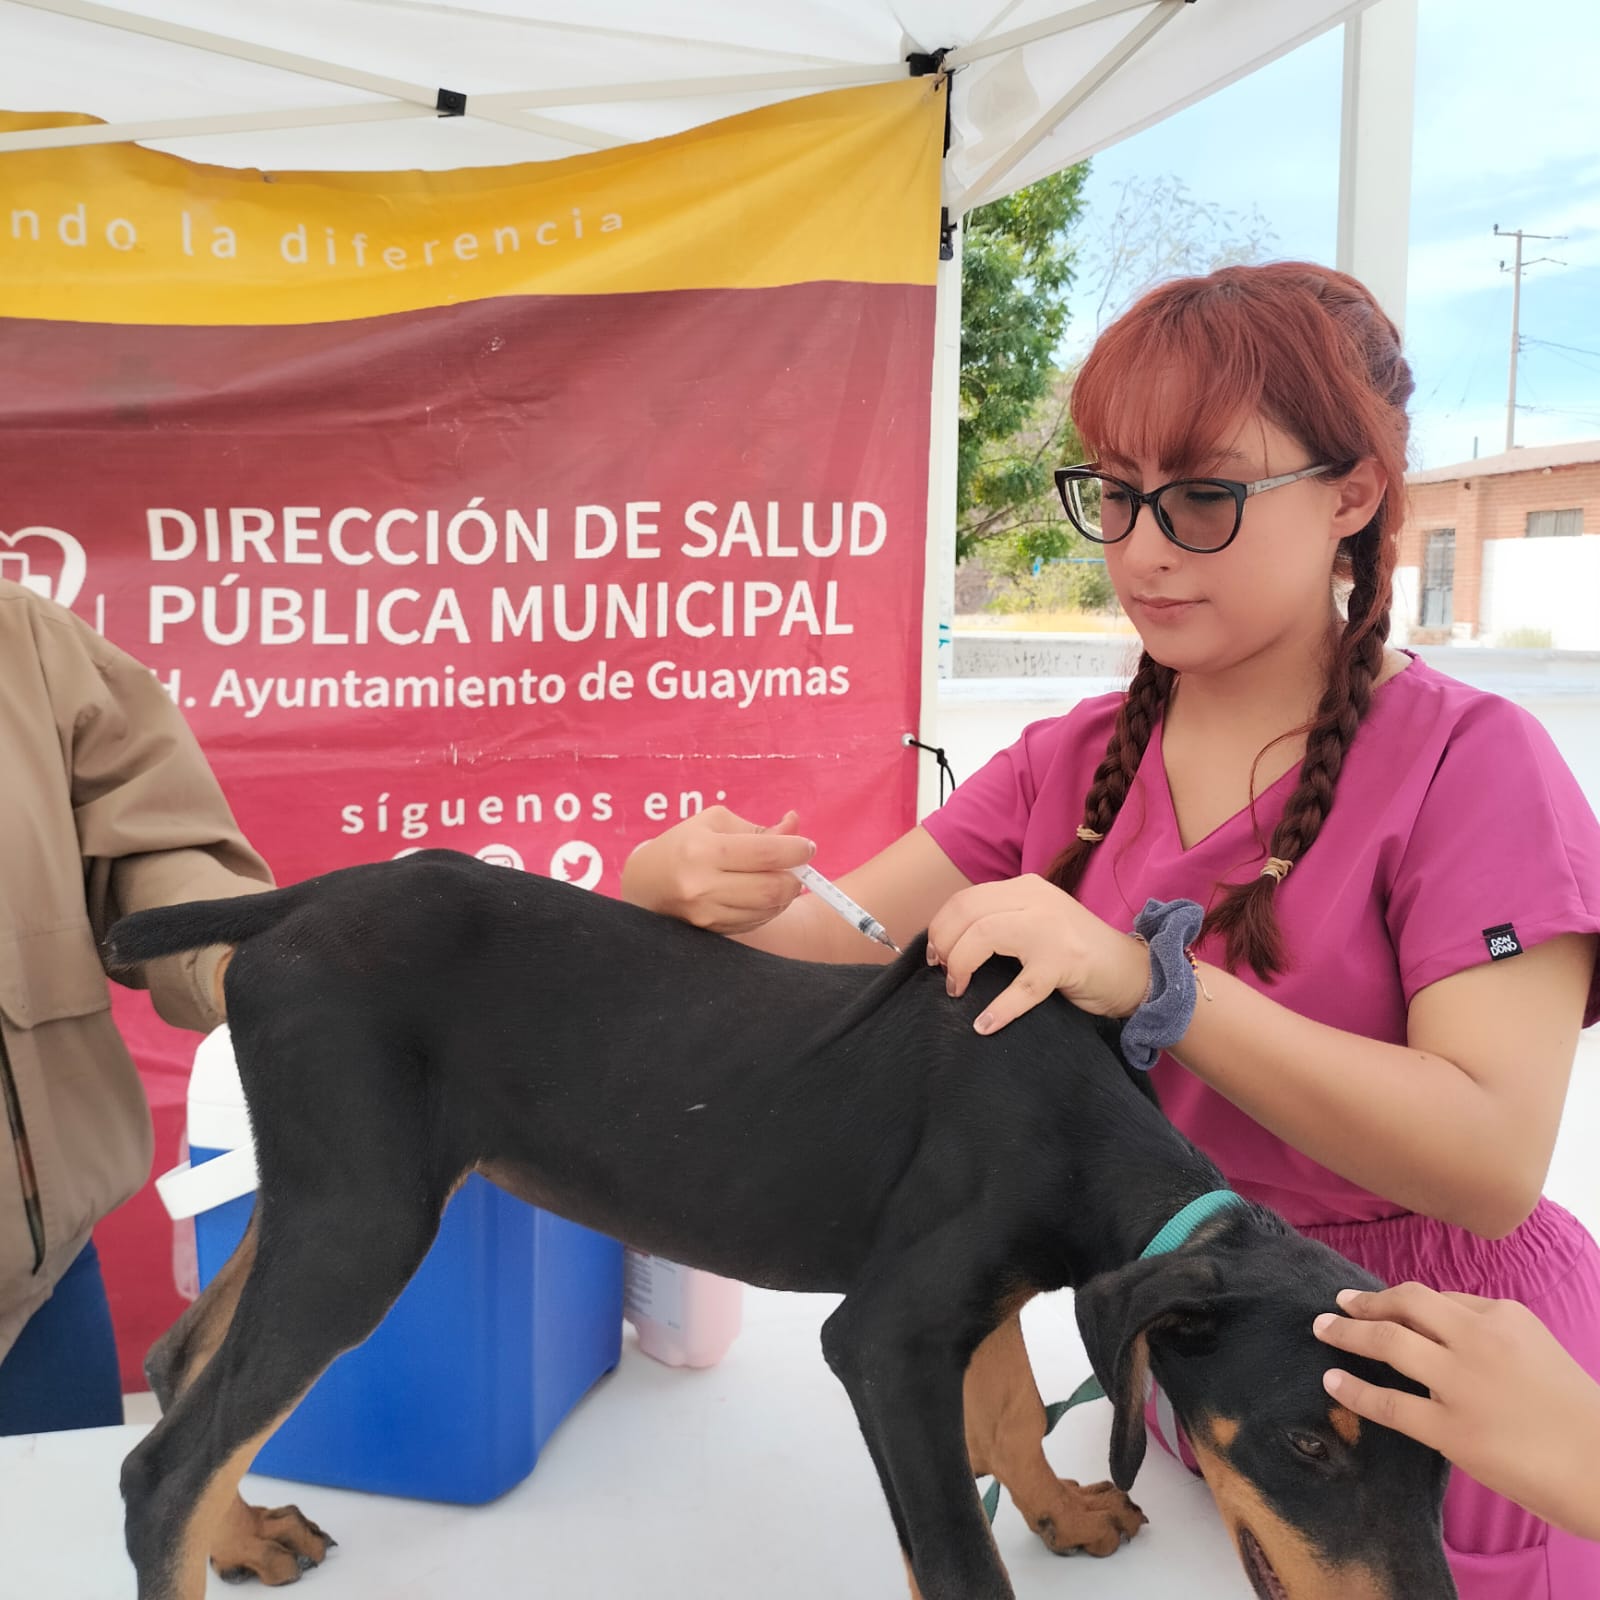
(1492,508)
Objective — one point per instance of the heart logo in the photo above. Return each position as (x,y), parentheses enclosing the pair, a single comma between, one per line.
(71,565)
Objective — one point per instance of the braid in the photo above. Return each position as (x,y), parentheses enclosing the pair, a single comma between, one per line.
(1244,915)
(1311,351)
(1145,700)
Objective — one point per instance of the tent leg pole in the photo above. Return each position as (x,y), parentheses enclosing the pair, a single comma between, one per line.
(939,573)
(1380,58)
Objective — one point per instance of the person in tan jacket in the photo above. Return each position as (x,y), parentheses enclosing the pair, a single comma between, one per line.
(106,806)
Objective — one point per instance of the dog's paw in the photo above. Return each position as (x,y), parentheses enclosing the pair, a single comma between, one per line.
(274,1547)
(1097,1518)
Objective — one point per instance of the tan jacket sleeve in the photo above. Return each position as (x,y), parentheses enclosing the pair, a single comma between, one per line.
(153,826)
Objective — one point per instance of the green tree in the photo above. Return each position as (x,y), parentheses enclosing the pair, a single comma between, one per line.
(1016,268)
(1022,255)
(1019,517)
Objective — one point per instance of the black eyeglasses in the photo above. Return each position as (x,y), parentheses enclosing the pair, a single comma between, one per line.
(1198,514)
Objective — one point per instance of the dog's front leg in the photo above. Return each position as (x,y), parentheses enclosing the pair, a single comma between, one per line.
(1005,1424)
(906,1390)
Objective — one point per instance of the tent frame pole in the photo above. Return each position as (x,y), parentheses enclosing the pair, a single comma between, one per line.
(400,99)
(939,554)
(1377,122)
(241,49)
(186,127)
(1014,38)
(988,186)
(600,94)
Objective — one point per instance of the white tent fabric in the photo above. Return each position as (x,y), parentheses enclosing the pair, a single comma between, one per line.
(324,84)
(356,84)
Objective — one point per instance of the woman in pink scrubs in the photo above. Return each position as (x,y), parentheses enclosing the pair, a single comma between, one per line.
(1401,877)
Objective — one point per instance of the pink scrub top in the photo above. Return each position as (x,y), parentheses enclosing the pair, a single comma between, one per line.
(1456,833)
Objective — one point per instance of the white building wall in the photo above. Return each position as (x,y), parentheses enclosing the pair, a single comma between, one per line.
(1547,585)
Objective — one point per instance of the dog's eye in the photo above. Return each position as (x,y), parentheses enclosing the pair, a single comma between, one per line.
(1310,1446)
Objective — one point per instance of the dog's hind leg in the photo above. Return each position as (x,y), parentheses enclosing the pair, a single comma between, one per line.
(325,1271)
(900,1343)
(274,1545)
(181,1353)
(1006,1421)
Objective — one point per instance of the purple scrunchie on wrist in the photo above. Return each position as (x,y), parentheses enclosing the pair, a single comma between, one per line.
(1168,927)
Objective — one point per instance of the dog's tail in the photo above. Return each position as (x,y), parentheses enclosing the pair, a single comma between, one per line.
(166,930)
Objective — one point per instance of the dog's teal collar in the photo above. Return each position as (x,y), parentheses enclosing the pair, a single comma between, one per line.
(1178,1231)
(1181,1228)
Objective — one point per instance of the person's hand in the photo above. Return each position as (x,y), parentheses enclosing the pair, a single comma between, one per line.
(718,871)
(1060,944)
(218,973)
(1507,1404)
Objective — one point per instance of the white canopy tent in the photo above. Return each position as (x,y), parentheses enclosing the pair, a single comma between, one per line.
(380,84)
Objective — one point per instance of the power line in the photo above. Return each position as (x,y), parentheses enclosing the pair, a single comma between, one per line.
(1477,360)
(1572,349)
(1433,392)
(1582,364)
(1560,411)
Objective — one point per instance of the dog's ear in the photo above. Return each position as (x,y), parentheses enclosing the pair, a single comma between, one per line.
(1119,1313)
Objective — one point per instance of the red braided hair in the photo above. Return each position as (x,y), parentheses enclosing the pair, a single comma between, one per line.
(1310,350)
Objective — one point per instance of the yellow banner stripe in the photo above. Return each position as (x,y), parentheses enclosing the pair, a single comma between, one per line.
(834,187)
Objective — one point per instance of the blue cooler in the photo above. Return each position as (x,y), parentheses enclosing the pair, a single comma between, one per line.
(511,1319)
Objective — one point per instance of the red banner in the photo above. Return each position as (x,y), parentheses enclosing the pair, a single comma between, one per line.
(524,579)
(610,507)
(523,511)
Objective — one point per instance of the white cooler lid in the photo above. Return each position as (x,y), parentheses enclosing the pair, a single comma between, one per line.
(217,1116)
(217,1121)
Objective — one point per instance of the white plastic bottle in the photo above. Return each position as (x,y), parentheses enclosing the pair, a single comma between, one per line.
(684,1317)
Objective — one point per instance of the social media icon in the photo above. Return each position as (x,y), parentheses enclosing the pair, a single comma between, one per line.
(577,862)
(501,855)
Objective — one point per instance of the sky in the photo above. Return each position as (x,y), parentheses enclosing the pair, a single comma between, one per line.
(1507,132)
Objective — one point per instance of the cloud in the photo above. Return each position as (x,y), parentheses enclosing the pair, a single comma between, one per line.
(1501,93)
(1469,263)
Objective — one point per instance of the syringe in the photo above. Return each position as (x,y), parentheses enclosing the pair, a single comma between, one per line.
(835,897)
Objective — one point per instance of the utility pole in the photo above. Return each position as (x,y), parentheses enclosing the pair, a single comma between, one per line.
(1516,316)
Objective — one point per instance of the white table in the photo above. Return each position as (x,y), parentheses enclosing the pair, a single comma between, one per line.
(750,1479)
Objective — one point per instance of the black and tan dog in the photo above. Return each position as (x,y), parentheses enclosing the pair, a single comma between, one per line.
(799,1126)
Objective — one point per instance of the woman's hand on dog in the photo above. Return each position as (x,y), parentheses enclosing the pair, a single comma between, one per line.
(1507,1404)
(1061,945)
(718,871)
